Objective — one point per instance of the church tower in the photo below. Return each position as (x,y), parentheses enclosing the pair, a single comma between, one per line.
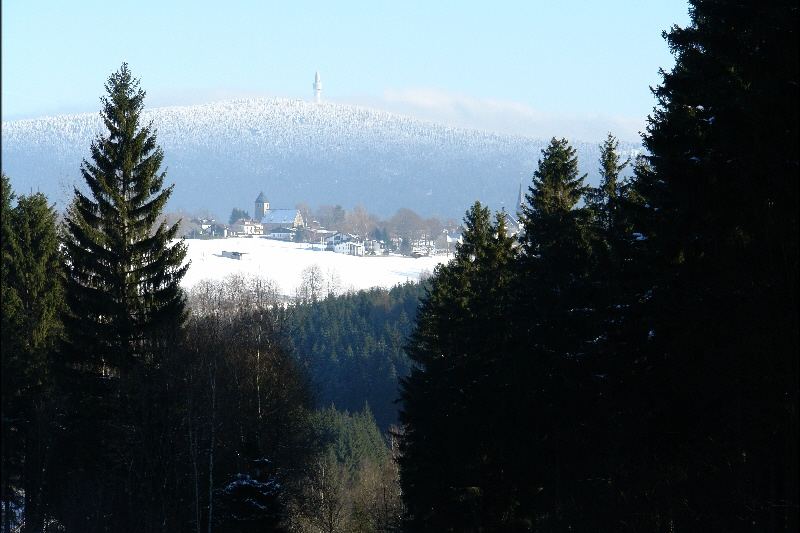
(262,206)
(317,88)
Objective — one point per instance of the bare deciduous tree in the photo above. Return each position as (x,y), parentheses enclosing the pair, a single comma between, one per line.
(360,222)
(312,284)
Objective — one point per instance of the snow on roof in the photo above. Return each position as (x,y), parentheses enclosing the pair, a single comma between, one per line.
(279,216)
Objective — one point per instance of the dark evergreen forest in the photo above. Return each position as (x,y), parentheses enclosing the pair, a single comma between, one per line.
(627,362)
(630,363)
(352,347)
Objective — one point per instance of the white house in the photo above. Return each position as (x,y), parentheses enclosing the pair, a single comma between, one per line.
(338,238)
(282,234)
(349,248)
(373,247)
(247,227)
(455,238)
(318,235)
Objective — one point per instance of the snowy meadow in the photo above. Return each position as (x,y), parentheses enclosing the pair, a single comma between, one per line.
(284,262)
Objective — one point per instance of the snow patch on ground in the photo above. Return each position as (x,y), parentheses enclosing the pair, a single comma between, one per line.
(284,262)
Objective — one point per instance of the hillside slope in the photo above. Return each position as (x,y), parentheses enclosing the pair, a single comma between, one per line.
(221,155)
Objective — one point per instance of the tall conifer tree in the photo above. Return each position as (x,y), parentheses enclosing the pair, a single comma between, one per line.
(604,200)
(555,245)
(37,277)
(125,308)
(721,340)
(451,472)
(549,330)
(9,350)
(554,234)
(123,272)
(32,305)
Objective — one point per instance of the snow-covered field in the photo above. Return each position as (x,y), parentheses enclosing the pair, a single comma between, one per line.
(284,262)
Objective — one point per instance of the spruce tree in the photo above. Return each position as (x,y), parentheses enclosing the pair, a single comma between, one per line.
(125,312)
(554,236)
(552,306)
(32,305)
(9,349)
(37,277)
(556,249)
(604,200)
(123,277)
(718,349)
(452,472)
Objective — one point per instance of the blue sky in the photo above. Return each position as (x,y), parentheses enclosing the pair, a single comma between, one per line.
(529,67)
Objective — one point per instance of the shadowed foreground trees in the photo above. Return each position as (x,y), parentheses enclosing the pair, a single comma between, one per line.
(449,414)
(247,406)
(32,301)
(647,373)
(125,314)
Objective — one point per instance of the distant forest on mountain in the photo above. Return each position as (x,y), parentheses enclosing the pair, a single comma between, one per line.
(221,155)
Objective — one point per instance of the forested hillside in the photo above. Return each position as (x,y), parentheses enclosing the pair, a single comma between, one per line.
(221,154)
(352,347)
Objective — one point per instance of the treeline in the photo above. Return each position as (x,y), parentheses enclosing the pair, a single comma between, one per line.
(630,362)
(352,346)
(404,226)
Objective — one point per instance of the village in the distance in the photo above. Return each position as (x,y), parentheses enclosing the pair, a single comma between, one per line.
(332,228)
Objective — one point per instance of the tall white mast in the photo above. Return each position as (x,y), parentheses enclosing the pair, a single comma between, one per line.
(317,88)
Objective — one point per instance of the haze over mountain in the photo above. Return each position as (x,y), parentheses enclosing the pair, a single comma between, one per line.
(220,155)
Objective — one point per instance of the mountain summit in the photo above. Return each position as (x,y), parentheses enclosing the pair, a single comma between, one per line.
(221,155)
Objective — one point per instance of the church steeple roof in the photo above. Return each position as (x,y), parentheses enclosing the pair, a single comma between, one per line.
(261,198)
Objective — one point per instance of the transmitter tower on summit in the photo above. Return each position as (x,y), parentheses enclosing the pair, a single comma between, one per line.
(317,88)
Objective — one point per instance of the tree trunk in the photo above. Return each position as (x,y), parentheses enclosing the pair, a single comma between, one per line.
(213,382)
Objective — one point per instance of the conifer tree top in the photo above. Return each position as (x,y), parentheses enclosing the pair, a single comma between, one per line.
(124,274)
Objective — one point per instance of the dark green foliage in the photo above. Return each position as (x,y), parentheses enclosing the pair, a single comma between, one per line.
(649,361)
(237,214)
(553,318)
(123,274)
(32,300)
(10,307)
(353,347)
(125,313)
(452,480)
(605,201)
(352,484)
(353,438)
(554,234)
(721,304)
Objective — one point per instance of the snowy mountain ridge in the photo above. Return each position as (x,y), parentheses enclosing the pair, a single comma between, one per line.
(220,155)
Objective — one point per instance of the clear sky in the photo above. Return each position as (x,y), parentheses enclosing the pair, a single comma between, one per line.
(515,66)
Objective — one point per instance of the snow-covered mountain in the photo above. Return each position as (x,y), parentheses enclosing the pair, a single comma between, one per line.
(221,155)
